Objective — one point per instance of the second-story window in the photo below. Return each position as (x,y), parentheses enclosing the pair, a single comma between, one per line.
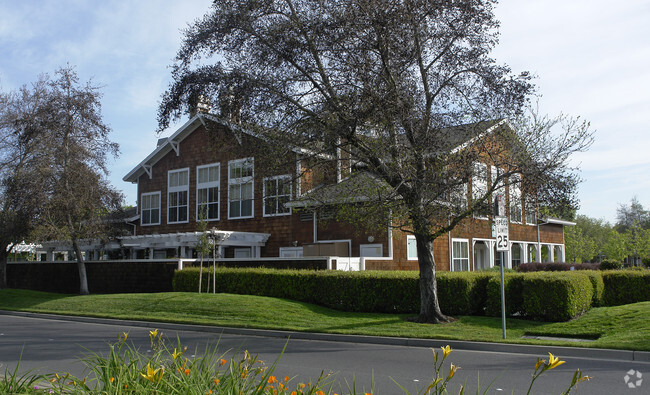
(277,192)
(178,184)
(240,188)
(150,209)
(514,192)
(479,190)
(207,192)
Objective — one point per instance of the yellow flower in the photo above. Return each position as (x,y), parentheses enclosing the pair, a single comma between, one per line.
(272,380)
(223,361)
(216,381)
(152,335)
(452,371)
(187,372)
(176,353)
(539,363)
(446,350)
(302,385)
(111,379)
(125,335)
(553,361)
(286,378)
(153,375)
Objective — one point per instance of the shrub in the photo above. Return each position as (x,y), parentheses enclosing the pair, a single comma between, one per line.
(463,293)
(598,284)
(625,286)
(556,296)
(513,287)
(555,266)
(608,264)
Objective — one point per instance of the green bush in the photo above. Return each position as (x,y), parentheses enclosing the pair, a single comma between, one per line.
(596,279)
(625,286)
(463,293)
(556,296)
(513,295)
(608,264)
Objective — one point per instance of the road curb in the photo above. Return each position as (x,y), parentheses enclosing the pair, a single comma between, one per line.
(541,351)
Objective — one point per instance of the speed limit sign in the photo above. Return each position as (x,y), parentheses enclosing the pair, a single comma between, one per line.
(501,233)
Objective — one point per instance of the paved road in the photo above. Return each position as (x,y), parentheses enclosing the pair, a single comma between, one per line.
(51,345)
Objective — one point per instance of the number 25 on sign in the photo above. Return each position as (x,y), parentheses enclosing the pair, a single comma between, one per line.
(501,230)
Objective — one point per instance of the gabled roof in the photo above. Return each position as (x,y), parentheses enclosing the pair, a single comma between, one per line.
(171,143)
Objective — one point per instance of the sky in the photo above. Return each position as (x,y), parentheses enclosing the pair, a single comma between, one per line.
(590,59)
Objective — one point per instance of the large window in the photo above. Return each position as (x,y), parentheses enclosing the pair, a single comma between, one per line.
(207,192)
(277,192)
(514,191)
(516,254)
(240,188)
(460,255)
(150,209)
(531,211)
(479,189)
(178,185)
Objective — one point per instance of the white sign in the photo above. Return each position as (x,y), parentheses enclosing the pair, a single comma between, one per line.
(501,233)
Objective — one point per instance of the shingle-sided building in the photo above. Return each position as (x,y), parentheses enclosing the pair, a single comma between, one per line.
(214,174)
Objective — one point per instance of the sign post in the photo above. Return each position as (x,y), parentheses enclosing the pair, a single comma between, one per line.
(501,234)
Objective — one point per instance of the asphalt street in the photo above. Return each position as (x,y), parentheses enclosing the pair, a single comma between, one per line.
(56,344)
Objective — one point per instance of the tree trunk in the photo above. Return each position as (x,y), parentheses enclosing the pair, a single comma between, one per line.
(429,308)
(81,266)
(201,273)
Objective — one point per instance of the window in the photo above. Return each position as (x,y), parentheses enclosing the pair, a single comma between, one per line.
(514,191)
(460,255)
(371,250)
(531,211)
(240,188)
(207,192)
(277,192)
(515,254)
(411,248)
(178,184)
(150,209)
(479,189)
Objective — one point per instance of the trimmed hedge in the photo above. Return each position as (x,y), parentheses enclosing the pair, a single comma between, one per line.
(513,290)
(556,297)
(625,286)
(555,266)
(549,296)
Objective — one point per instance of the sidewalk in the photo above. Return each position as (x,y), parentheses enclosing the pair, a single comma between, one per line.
(575,352)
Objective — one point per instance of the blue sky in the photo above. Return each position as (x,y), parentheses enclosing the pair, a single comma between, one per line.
(590,57)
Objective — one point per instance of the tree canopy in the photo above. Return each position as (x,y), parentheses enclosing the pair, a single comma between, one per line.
(404,91)
(58,129)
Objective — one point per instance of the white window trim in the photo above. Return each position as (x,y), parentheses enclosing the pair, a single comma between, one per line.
(528,201)
(376,245)
(451,266)
(410,258)
(210,184)
(298,251)
(182,188)
(241,181)
(276,178)
(479,181)
(514,192)
(159,210)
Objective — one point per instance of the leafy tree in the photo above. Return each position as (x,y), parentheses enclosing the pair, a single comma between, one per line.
(383,85)
(585,241)
(20,176)
(74,148)
(615,248)
(631,216)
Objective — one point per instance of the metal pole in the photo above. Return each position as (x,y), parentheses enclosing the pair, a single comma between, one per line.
(503,298)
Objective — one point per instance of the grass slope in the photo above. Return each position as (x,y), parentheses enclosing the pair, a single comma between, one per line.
(620,327)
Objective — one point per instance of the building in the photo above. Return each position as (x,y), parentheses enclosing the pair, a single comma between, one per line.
(207,174)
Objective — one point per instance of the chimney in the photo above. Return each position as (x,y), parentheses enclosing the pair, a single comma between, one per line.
(199,104)
(230,106)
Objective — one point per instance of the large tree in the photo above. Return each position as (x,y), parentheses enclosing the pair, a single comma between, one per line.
(386,83)
(20,176)
(74,146)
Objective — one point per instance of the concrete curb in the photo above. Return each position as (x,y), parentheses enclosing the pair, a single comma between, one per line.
(541,351)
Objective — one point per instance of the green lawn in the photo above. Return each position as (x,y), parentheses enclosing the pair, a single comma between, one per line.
(620,327)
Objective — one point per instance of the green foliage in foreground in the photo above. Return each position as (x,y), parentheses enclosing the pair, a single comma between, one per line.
(544,296)
(619,327)
(126,370)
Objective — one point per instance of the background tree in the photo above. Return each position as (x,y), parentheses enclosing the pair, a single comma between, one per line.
(75,146)
(20,176)
(631,216)
(386,84)
(585,241)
